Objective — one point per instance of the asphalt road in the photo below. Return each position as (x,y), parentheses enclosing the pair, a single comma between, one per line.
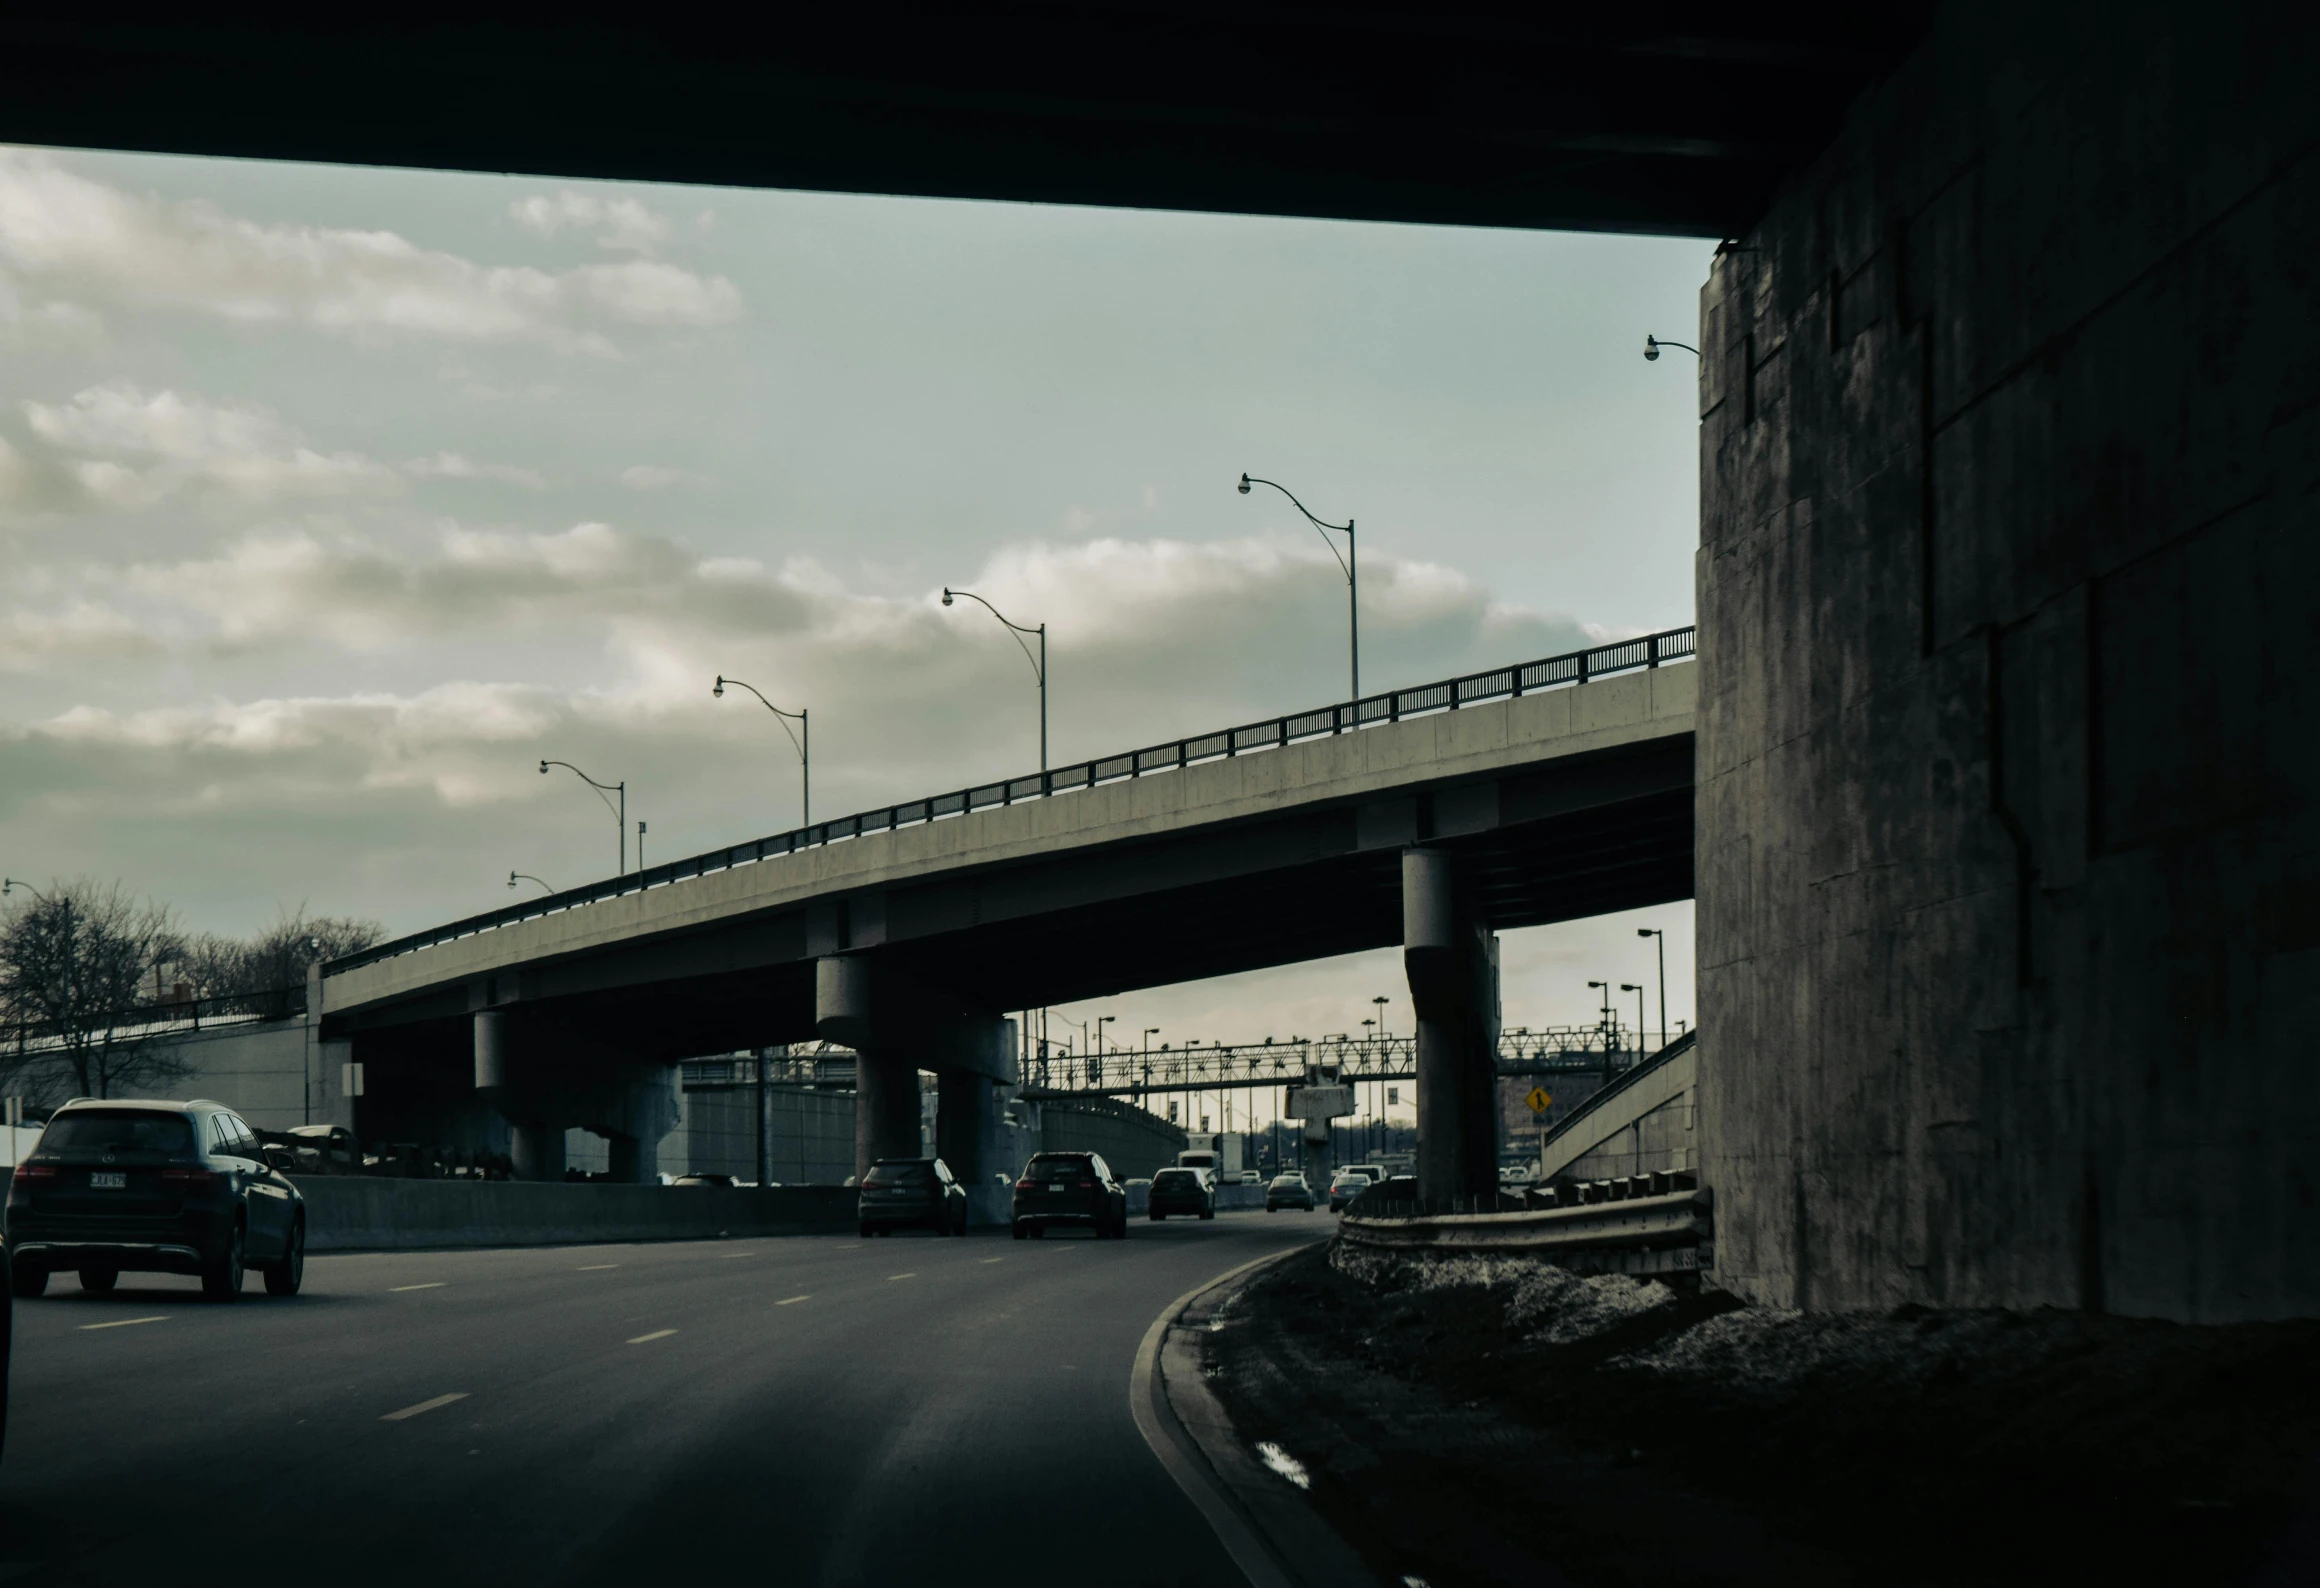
(814,1411)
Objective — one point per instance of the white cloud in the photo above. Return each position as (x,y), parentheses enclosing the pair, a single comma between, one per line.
(621,224)
(650,477)
(452,466)
(144,252)
(130,448)
(32,638)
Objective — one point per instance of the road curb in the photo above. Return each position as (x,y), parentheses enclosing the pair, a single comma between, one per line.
(1271,1534)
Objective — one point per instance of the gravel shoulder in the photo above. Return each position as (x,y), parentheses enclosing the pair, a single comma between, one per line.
(1499,1421)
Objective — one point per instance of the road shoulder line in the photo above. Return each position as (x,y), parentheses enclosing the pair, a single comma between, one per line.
(1261,1526)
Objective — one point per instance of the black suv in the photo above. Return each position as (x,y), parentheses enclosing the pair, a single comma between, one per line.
(171,1188)
(1182,1190)
(912,1193)
(1077,1188)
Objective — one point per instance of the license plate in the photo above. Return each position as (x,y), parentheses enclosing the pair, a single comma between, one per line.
(1059,1188)
(108,1180)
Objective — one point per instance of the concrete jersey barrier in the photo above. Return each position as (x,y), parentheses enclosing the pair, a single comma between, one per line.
(356,1214)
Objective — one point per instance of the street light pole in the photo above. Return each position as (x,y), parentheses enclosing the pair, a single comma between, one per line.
(620,812)
(1645,931)
(802,741)
(1628,986)
(1350,564)
(1038,663)
(524,876)
(1652,345)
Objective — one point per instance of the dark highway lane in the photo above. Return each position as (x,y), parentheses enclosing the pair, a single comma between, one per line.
(817,1411)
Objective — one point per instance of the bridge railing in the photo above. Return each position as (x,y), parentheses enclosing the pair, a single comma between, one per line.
(1524,678)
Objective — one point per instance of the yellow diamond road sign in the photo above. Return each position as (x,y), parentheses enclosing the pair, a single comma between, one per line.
(1540,1100)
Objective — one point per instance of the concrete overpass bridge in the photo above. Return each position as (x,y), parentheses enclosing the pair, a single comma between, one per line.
(1429,818)
(2009,392)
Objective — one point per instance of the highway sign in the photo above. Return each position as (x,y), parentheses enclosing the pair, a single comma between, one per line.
(1313,1103)
(1540,1100)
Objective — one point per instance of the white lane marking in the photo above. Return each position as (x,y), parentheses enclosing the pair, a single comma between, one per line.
(729,1256)
(994,1259)
(791,1301)
(423,1406)
(594,1268)
(657,1334)
(432,1284)
(891,1278)
(123,1323)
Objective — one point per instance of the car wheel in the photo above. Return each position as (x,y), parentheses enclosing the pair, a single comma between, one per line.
(221,1279)
(286,1273)
(1019,1231)
(1039,1232)
(99,1281)
(866,1232)
(26,1278)
(1208,1213)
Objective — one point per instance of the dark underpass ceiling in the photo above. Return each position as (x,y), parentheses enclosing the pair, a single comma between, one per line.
(1678,118)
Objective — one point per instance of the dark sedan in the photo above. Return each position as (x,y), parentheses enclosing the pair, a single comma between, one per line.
(1288,1191)
(1060,1190)
(1182,1191)
(912,1194)
(139,1187)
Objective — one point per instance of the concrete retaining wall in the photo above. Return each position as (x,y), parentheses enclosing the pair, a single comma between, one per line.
(356,1214)
(2007,785)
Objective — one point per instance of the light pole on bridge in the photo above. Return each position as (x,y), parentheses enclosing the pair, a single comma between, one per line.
(1628,986)
(1652,932)
(1038,663)
(1349,564)
(802,741)
(619,812)
(524,876)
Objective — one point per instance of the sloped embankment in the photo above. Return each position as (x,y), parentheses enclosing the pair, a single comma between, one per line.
(1483,1421)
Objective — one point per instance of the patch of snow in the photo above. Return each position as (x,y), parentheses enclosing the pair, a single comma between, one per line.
(1285,1464)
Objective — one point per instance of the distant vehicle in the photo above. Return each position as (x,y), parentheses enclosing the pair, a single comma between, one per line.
(705,1178)
(1198,1158)
(1182,1190)
(1250,1177)
(1288,1191)
(1344,1186)
(329,1149)
(1394,1188)
(152,1187)
(1375,1171)
(1070,1189)
(912,1193)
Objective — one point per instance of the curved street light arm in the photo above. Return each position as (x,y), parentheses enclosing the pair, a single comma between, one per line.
(1018,630)
(1345,528)
(10,884)
(786,716)
(801,741)
(619,812)
(1652,345)
(515,876)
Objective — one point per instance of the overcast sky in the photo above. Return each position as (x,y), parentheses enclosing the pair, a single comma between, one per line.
(332,499)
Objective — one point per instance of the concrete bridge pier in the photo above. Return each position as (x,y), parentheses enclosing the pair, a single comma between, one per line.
(1451,959)
(631,1103)
(899,1026)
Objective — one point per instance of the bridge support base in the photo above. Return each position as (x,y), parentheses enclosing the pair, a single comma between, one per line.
(1451,959)
(900,1026)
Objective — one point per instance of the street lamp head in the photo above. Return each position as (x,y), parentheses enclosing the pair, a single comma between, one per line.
(1645,931)
(1244,485)
(511,879)
(543,769)
(1650,347)
(1628,986)
(946,595)
(1595,984)
(719,691)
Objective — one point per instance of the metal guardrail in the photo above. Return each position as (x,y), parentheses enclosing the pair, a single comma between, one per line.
(1524,678)
(1668,1233)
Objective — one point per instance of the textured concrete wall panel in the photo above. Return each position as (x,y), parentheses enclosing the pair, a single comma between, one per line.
(2008,572)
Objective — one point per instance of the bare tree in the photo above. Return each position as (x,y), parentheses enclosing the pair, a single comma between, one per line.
(273,961)
(74,963)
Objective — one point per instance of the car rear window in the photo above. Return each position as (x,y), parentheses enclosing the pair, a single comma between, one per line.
(897,1174)
(1175,1177)
(1059,1169)
(122,1129)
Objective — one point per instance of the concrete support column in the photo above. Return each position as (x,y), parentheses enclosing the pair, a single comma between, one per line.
(899,1026)
(885,1109)
(1451,958)
(538,1150)
(633,1161)
(970,1135)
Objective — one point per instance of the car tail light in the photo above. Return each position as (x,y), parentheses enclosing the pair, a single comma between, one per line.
(187,1179)
(1026,1185)
(33,1171)
(1087,1185)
